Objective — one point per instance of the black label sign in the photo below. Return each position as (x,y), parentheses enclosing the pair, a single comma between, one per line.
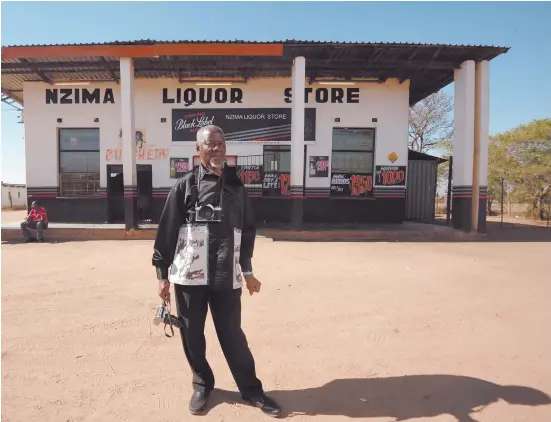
(346,184)
(326,95)
(250,174)
(275,183)
(390,175)
(178,167)
(319,166)
(79,96)
(190,96)
(266,125)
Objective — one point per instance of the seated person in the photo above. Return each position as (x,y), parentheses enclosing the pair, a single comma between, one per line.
(38,220)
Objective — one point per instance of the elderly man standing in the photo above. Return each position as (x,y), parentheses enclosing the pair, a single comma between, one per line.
(206,238)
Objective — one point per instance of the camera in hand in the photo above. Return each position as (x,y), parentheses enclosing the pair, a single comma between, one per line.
(208,213)
(163,316)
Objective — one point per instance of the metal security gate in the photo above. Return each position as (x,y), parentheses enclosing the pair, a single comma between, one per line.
(422,179)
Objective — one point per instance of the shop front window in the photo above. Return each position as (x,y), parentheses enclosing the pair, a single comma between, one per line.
(79,162)
(277,158)
(352,162)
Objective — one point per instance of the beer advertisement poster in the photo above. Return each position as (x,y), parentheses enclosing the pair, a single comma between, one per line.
(178,167)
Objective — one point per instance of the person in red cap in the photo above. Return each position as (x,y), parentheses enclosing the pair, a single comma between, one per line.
(37,220)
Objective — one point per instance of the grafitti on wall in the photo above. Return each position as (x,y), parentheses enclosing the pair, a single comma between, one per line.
(142,151)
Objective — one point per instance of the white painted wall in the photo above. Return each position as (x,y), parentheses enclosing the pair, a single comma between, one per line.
(41,127)
(387,102)
(18,196)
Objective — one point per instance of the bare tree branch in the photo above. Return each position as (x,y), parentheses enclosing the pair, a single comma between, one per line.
(430,122)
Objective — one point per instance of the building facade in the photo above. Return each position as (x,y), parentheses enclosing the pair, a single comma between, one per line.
(355,143)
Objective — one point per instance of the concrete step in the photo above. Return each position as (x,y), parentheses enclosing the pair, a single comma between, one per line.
(384,233)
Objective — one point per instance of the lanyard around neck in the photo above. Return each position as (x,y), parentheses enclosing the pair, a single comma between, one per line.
(202,171)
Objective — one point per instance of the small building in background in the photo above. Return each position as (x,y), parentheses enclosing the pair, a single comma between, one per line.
(14,196)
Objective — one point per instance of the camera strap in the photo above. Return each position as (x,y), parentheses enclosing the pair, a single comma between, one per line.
(167,310)
(222,179)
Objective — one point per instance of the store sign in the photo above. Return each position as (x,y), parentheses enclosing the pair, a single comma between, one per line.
(319,166)
(243,125)
(390,175)
(346,184)
(80,96)
(275,183)
(326,95)
(190,96)
(178,167)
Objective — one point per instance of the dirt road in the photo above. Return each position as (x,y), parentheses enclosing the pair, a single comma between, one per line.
(375,331)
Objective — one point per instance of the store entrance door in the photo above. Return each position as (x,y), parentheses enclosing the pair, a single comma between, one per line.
(115,194)
(145,193)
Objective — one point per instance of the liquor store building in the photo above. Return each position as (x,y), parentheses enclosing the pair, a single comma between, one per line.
(318,132)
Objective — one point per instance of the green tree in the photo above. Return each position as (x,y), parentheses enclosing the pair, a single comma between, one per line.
(522,156)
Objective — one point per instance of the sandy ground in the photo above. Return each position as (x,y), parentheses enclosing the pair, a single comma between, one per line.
(375,331)
(12,217)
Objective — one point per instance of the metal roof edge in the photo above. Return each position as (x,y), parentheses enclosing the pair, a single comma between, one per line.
(289,42)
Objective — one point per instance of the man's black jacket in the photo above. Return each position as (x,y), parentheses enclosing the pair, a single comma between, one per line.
(236,213)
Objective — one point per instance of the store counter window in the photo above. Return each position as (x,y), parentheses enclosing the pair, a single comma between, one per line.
(352,162)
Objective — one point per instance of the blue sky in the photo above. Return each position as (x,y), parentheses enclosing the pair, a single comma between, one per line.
(520,81)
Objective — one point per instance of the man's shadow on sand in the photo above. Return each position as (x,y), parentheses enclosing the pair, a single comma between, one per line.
(403,398)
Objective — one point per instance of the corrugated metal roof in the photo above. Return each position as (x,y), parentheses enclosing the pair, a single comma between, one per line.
(290,41)
(429,67)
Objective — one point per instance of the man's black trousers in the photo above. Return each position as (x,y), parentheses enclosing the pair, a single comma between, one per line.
(225,306)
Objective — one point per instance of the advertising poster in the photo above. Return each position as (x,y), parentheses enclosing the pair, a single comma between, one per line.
(250,174)
(351,185)
(318,166)
(264,125)
(178,167)
(275,183)
(390,175)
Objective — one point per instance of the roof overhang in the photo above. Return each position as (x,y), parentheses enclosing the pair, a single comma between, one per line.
(428,67)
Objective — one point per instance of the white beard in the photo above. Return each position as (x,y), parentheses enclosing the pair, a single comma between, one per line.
(215,164)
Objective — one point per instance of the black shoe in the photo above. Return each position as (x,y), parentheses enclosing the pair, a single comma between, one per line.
(266,404)
(198,401)
(31,239)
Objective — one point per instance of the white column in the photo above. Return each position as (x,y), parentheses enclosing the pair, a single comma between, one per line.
(464,79)
(463,145)
(128,140)
(127,122)
(482,96)
(297,126)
